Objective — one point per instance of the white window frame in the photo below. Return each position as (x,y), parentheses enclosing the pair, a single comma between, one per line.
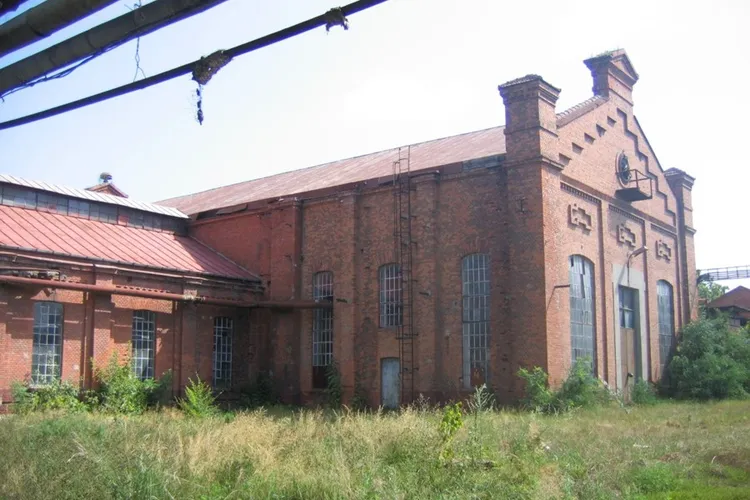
(223,339)
(46,357)
(143,343)
(391,296)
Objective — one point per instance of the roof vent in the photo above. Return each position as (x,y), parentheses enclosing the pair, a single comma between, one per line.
(105,178)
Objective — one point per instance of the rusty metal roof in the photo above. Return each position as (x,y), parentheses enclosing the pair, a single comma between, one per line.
(31,230)
(93,196)
(424,155)
(738,297)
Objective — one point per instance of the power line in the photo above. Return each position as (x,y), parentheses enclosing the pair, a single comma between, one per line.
(328,19)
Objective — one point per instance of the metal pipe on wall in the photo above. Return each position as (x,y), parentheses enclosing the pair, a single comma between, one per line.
(150,294)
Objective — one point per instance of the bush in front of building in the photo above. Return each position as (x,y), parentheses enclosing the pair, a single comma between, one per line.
(712,361)
(579,390)
(644,393)
(199,400)
(121,391)
(54,396)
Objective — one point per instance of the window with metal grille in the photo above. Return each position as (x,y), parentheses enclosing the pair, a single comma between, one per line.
(223,352)
(582,328)
(627,307)
(322,334)
(390,295)
(666,321)
(144,329)
(47,346)
(475,278)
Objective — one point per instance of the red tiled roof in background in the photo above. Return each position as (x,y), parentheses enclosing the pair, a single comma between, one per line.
(424,155)
(31,230)
(738,297)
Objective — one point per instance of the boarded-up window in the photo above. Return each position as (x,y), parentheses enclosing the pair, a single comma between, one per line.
(144,332)
(322,334)
(582,329)
(223,352)
(475,279)
(666,322)
(47,346)
(390,295)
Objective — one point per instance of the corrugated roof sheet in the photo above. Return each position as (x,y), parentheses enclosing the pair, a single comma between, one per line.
(94,196)
(25,229)
(424,155)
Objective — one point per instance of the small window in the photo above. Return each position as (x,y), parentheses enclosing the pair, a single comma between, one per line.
(475,279)
(16,197)
(103,213)
(665,304)
(223,352)
(46,364)
(52,203)
(628,313)
(391,310)
(322,334)
(78,208)
(144,333)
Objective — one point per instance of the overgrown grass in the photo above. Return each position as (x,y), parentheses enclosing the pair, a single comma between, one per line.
(669,450)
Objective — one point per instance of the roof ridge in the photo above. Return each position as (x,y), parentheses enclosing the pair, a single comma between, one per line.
(329,163)
(95,196)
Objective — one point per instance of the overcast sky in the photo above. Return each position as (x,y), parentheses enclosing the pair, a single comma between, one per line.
(405,71)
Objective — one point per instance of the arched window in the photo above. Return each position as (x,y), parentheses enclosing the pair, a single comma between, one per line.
(582,328)
(475,279)
(47,345)
(223,328)
(665,303)
(322,333)
(390,295)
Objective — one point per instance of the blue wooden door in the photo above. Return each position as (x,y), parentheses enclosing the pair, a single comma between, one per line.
(390,383)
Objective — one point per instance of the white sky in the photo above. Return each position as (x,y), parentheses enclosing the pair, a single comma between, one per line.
(406,71)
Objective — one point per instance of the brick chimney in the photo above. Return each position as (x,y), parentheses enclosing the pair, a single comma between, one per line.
(682,187)
(530,119)
(613,74)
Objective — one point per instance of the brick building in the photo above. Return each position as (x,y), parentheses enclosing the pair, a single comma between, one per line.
(424,269)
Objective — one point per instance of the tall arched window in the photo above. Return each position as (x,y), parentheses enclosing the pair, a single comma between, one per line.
(390,295)
(582,328)
(322,334)
(665,303)
(475,279)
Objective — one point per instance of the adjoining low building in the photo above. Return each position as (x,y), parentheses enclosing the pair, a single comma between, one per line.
(426,269)
(735,304)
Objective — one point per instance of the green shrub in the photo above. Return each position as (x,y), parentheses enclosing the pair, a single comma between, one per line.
(333,384)
(580,389)
(644,393)
(199,400)
(260,393)
(452,421)
(539,397)
(712,361)
(121,391)
(54,396)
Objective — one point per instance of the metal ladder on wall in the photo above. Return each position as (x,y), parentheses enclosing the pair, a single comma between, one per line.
(404,256)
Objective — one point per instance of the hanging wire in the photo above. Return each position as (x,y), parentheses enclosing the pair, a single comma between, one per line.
(138,68)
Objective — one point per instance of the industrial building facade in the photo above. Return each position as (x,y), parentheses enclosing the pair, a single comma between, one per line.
(427,269)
